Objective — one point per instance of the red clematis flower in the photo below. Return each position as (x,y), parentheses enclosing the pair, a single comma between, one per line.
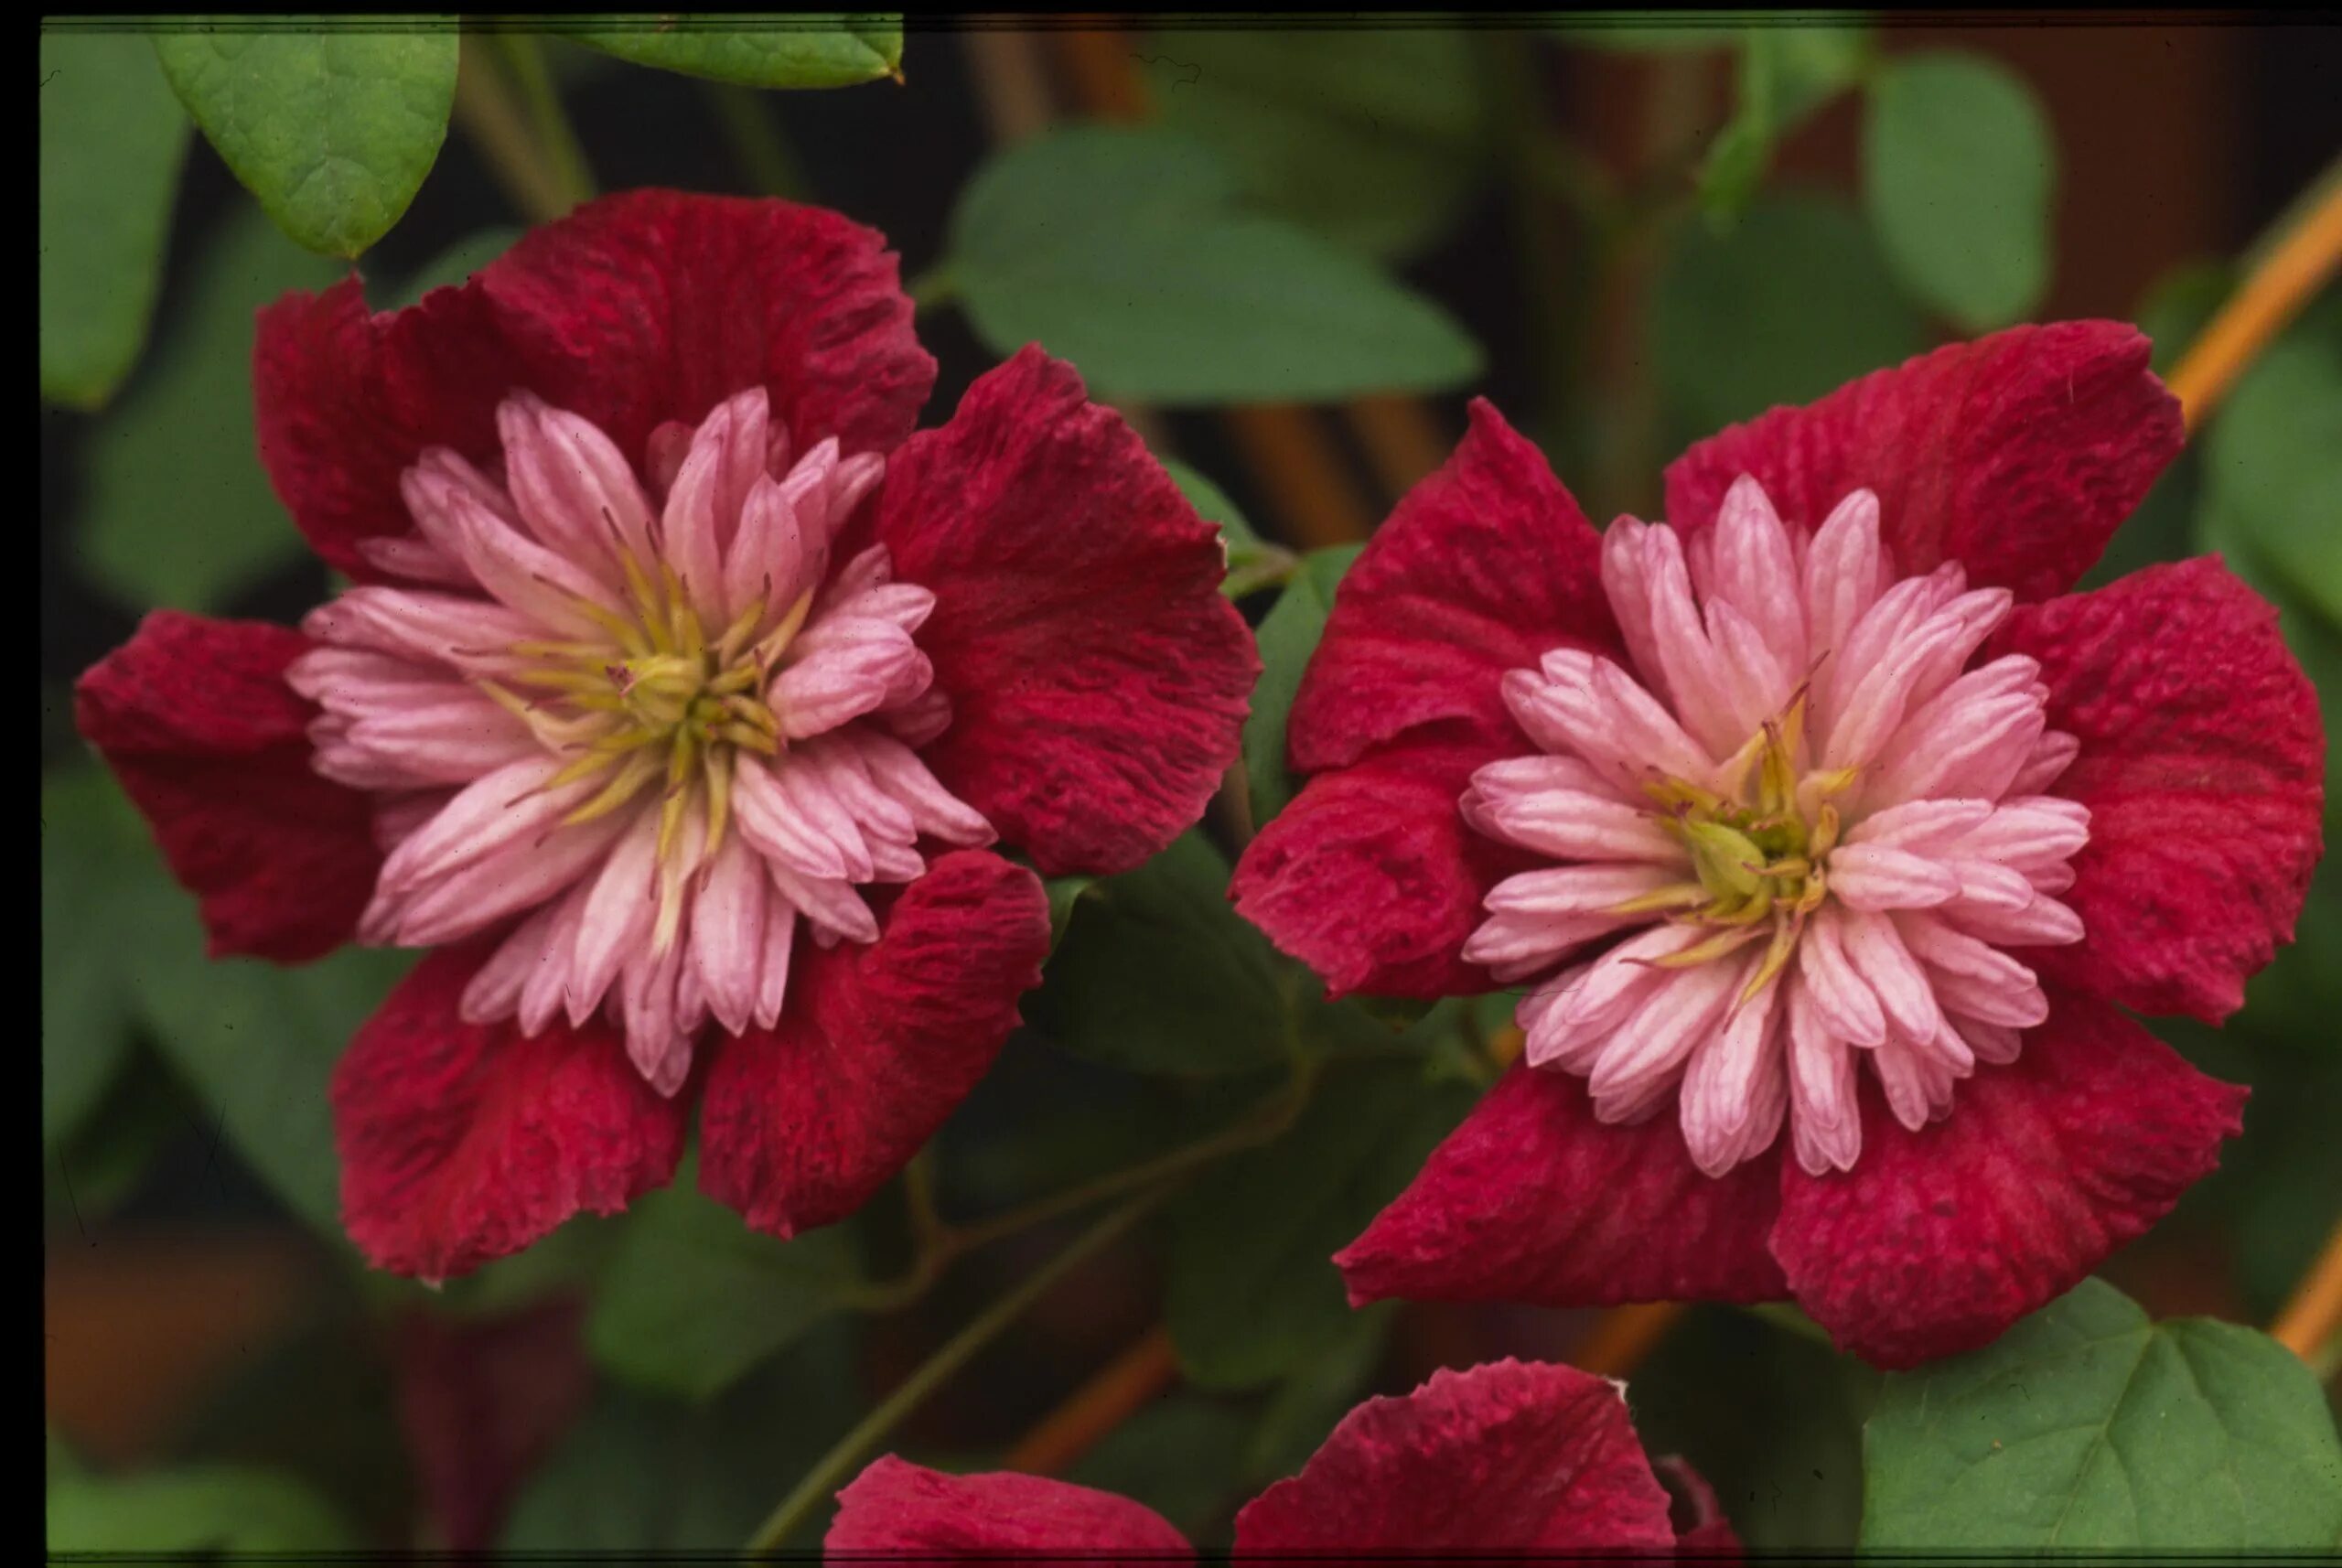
(1511,1455)
(1829,831)
(682,694)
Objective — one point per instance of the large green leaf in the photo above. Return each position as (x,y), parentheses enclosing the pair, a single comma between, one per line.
(1313,1397)
(1287,637)
(1958,166)
(177,511)
(98,879)
(1157,973)
(1126,251)
(792,52)
(1253,1293)
(2086,1426)
(1181,1456)
(332,127)
(2273,466)
(694,1300)
(258,1044)
(1791,303)
(640,1476)
(1374,137)
(112,139)
(192,1513)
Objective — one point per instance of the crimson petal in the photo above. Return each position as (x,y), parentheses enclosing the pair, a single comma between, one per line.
(196,720)
(2015,455)
(895,1506)
(2202,762)
(1511,1454)
(1533,1200)
(879,1044)
(640,308)
(464,1143)
(1939,1239)
(1097,679)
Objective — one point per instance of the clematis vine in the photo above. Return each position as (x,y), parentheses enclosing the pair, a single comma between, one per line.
(1511,1455)
(681,705)
(1827,832)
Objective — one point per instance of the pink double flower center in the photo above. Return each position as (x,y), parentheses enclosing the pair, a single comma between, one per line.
(659,726)
(1812,829)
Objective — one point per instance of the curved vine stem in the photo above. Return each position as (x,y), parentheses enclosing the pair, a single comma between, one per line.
(856,1445)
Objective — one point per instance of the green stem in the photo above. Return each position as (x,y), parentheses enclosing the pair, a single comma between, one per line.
(856,1445)
(932,287)
(764,157)
(565,158)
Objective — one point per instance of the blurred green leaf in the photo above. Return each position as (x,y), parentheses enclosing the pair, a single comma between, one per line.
(332,129)
(1123,250)
(112,140)
(694,1300)
(802,51)
(1789,1482)
(454,266)
(1373,137)
(1064,893)
(202,1509)
(1287,637)
(1785,74)
(2180,303)
(1793,302)
(1211,504)
(106,1160)
(98,878)
(1958,164)
(1315,1396)
(2087,1425)
(1253,1290)
(639,1475)
(1157,973)
(177,511)
(1178,1456)
(2272,465)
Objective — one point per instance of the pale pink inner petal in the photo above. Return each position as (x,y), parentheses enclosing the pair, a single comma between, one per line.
(637,720)
(1794,838)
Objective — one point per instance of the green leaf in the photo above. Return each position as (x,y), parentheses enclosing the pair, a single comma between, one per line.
(177,511)
(1958,164)
(1375,138)
(2180,305)
(112,140)
(1315,1396)
(203,1509)
(2273,466)
(1252,1291)
(1786,73)
(1211,504)
(798,51)
(1791,303)
(640,1475)
(1180,1456)
(98,879)
(2086,1426)
(454,266)
(1792,1482)
(694,1300)
(258,1044)
(1064,893)
(333,130)
(1287,637)
(1124,251)
(1157,973)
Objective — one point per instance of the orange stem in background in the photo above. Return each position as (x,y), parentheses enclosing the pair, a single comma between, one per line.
(2314,1315)
(1623,1336)
(1099,1406)
(1299,467)
(2302,262)
(1402,440)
